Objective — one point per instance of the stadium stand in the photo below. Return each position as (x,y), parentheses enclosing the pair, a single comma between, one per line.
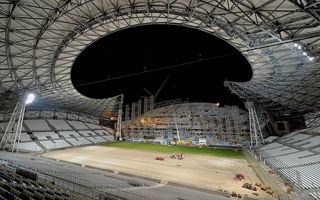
(25,137)
(3,127)
(67,134)
(55,145)
(29,146)
(16,186)
(78,125)
(87,133)
(47,134)
(296,158)
(37,125)
(93,126)
(49,176)
(59,124)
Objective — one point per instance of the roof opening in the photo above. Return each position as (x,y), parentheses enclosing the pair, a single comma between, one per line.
(164,60)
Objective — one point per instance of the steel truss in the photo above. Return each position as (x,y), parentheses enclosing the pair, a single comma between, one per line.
(256,137)
(119,119)
(41,39)
(11,136)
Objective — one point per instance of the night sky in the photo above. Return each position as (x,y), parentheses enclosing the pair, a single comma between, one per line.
(193,63)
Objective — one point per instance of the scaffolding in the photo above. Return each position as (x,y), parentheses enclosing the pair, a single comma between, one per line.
(136,109)
(190,121)
(127,113)
(148,103)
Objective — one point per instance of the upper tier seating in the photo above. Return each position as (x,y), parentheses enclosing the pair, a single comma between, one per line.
(37,125)
(78,125)
(93,126)
(60,125)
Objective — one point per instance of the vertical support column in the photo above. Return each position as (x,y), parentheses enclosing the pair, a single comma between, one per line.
(148,103)
(152,100)
(127,113)
(139,108)
(119,120)
(175,122)
(256,137)
(11,136)
(237,124)
(145,104)
(133,110)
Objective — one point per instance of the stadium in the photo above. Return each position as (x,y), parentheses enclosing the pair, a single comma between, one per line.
(175,99)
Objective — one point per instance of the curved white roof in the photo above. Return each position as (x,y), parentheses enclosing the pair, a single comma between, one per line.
(40,39)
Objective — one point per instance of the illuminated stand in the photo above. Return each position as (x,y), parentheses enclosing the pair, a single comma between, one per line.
(11,137)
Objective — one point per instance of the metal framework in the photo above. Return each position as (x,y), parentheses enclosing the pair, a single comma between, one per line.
(11,136)
(40,39)
(119,119)
(256,137)
(189,122)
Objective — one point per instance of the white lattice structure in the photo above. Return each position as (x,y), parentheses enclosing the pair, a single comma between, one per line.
(41,39)
(219,125)
(256,137)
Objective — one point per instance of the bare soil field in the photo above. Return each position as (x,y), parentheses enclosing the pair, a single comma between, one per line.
(208,172)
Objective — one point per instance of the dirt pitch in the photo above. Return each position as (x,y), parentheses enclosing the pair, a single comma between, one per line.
(213,173)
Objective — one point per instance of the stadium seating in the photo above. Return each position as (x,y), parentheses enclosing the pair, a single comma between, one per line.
(56,144)
(24,137)
(78,125)
(93,126)
(47,134)
(295,157)
(59,124)
(79,179)
(29,146)
(14,185)
(37,125)
(3,127)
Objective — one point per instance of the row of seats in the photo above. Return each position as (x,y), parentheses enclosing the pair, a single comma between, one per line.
(306,139)
(307,175)
(90,178)
(15,186)
(295,157)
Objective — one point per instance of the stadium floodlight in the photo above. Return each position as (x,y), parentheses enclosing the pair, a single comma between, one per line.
(30,99)
(311,58)
(218,104)
(299,47)
(304,53)
(295,44)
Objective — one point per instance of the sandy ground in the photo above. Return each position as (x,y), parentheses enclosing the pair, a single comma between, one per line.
(207,172)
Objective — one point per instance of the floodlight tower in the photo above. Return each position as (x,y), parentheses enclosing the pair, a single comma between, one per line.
(11,136)
(256,136)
